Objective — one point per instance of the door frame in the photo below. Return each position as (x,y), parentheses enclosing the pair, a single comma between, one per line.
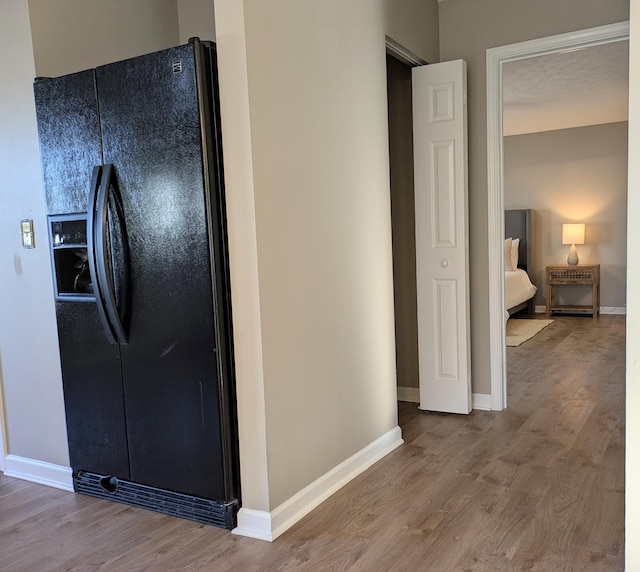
(401,53)
(407,57)
(496,57)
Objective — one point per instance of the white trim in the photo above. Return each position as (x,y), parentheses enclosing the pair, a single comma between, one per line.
(39,472)
(481,401)
(268,526)
(496,57)
(613,310)
(401,53)
(410,394)
(254,524)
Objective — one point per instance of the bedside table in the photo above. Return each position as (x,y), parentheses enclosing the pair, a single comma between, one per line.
(587,275)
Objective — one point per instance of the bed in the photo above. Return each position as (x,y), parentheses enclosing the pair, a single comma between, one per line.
(518,252)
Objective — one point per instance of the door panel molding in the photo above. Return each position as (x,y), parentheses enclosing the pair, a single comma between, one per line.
(443,182)
(445,294)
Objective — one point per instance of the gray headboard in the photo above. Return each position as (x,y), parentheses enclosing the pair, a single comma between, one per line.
(519,224)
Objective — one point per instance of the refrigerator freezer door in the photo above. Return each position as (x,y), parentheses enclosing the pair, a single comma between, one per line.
(152,134)
(70,148)
(69,134)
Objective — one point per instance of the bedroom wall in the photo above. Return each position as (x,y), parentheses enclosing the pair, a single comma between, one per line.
(573,175)
(402,221)
(467,29)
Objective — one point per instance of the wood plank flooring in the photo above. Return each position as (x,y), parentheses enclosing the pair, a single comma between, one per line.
(539,486)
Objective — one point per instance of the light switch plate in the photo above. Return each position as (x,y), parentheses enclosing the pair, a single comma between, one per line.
(26,227)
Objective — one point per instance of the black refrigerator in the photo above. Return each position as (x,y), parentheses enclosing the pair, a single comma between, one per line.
(132,165)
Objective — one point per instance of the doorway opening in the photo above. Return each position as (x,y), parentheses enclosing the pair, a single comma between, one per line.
(497,58)
(403,234)
(401,170)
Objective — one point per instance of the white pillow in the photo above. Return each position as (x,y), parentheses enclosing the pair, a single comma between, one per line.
(515,244)
(508,265)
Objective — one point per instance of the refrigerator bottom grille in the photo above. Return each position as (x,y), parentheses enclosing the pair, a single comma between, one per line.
(198,509)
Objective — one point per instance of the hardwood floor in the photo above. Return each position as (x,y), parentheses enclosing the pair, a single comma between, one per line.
(539,486)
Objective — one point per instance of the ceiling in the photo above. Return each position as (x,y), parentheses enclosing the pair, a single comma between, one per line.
(582,87)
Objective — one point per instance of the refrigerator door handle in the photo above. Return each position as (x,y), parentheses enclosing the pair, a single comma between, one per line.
(105,278)
(91,253)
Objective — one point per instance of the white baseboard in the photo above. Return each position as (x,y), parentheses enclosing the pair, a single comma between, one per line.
(39,472)
(410,394)
(614,310)
(269,525)
(611,310)
(254,524)
(479,401)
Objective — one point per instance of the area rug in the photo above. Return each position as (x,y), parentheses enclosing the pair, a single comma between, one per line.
(519,331)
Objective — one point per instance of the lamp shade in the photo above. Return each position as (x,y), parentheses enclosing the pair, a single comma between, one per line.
(573,233)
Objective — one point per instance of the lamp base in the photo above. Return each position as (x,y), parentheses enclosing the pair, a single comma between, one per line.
(572,259)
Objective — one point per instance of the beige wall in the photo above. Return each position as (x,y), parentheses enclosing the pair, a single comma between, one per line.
(72,35)
(632,489)
(413,24)
(195,18)
(311,249)
(243,252)
(323,222)
(324,244)
(32,386)
(573,175)
(467,29)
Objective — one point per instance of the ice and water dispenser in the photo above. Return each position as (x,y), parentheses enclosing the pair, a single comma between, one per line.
(70,257)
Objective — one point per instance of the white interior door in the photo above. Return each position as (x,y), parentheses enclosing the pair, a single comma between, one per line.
(442,237)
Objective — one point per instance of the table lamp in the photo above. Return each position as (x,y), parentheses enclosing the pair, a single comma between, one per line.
(573,234)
